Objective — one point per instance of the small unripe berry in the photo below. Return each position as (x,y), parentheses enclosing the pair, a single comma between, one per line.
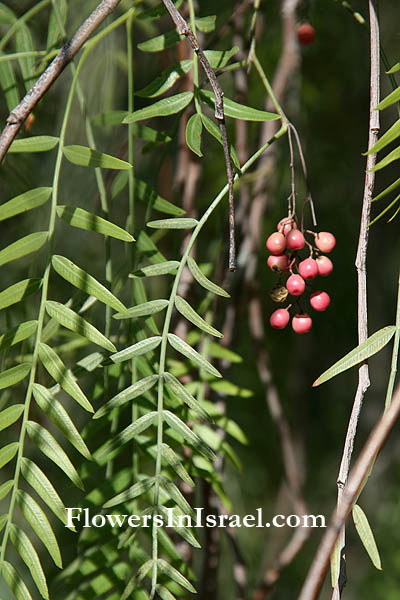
(295,285)
(308,268)
(279,318)
(295,240)
(276,243)
(325,266)
(319,300)
(285,225)
(278,263)
(306,34)
(301,323)
(325,241)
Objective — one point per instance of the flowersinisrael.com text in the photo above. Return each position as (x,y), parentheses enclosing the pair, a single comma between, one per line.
(171,519)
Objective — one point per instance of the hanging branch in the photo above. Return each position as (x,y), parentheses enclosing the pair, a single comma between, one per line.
(363,375)
(53,71)
(184,29)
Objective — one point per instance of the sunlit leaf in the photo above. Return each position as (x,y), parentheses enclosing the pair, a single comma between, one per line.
(173,224)
(54,34)
(366,536)
(189,352)
(9,415)
(389,158)
(137,349)
(7,453)
(161,42)
(192,438)
(26,245)
(239,111)
(134,491)
(133,391)
(5,488)
(40,143)
(175,575)
(150,197)
(219,58)
(194,128)
(14,375)
(175,462)
(388,137)
(390,99)
(78,217)
(24,43)
(202,279)
(17,292)
(141,310)
(24,202)
(387,190)
(163,268)
(87,157)
(183,394)
(206,24)
(27,552)
(213,129)
(16,584)
(17,334)
(126,435)
(189,313)
(161,108)
(167,78)
(8,85)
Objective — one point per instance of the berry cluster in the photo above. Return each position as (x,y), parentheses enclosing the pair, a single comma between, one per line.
(284,246)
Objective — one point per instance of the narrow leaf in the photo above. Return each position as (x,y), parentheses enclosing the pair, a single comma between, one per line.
(388,137)
(14,375)
(170,516)
(134,491)
(5,488)
(8,85)
(27,552)
(133,391)
(394,69)
(173,224)
(194,130)
(161,42)
(16,584)
(218,59)
(390,99)
(24,43)
(169,570)
(17,292)
(202,279)
(9,415)
(54,34)
(17,334)
(137,349)
(165,80)
(213,130)
(164,593)
(87,157)
(161,108)
(192,438)
(40,143)
(140,425)
(52,449)
(163,268)
(189,352)
(150,197)
(191,315)
(78,217)
(24,202)
(148,248)
(239,111)
(177,496)
(175,462)
(26,245)
(7,453)
(71,320)
(389,158)
(183,394)
(366,536)
(335,563)
(371,346)
(387,190)
(143,310)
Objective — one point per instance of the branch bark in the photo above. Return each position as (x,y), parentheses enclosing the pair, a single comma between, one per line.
(53,71)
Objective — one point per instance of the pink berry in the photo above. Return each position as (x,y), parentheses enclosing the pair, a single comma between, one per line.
(319,300)
(276,243)
(301,323)
(295,240)
(279,318)
(278,263)
(325,241)
(325,266)
(295,285)
(308,268)
(285,225)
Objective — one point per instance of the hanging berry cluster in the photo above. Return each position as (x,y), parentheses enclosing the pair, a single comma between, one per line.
(285,247)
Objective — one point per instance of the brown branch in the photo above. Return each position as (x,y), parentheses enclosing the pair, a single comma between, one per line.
(319,567)
(53,71)
(363,375)
(184,29)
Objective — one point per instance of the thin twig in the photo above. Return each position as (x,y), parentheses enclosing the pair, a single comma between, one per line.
(363,375)
(316,574)
(184,29)
(53,71)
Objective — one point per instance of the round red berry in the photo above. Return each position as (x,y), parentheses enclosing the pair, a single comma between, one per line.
(295,285)
(285,225)
(295,240)
(319,300)
(278,262)
(276,243)
(325,266)
(308,268)
(306,34)
(325,241)
(301,323)
(279,318)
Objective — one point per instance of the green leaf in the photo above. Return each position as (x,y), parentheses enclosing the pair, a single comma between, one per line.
(14,375)
(202,279)
(219,58)
(40,143)
(8,85)
(17,292)
(206,24)
(63,376)
(54,34)
(183,394)
(52,449)
(9,415)
(164,593)
(194,128)
(239,111)
(5,488)
(384,211)
(189,352)
(192,438)
(7,453)
(386,191)
(156,11)
(133,391)
(230,389)
(137,349)
(142,310)
(16,584)
(218,351)
(27,552)
(394,69)
(40,524)
(163,268)
(390,99)
(366,536)
(213,130)
(26,201)
(134,491)
(87,157)
(177,496)
(126,435)
(388,137)
(24,43)
(147,195)
(161,42)
(169,570)
(110,118)
(389,158)
(191,315)
(173,224)
(175,462)
(162,108)
(85,282)
(57,413)
(17,334)
(78,217)
(371,346)
(335,563)
(183,531)
(26,245)
(42,486)
(71,320)
(167,78)
(148,248)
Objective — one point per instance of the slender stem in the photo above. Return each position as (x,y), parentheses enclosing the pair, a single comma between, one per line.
(268,87)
